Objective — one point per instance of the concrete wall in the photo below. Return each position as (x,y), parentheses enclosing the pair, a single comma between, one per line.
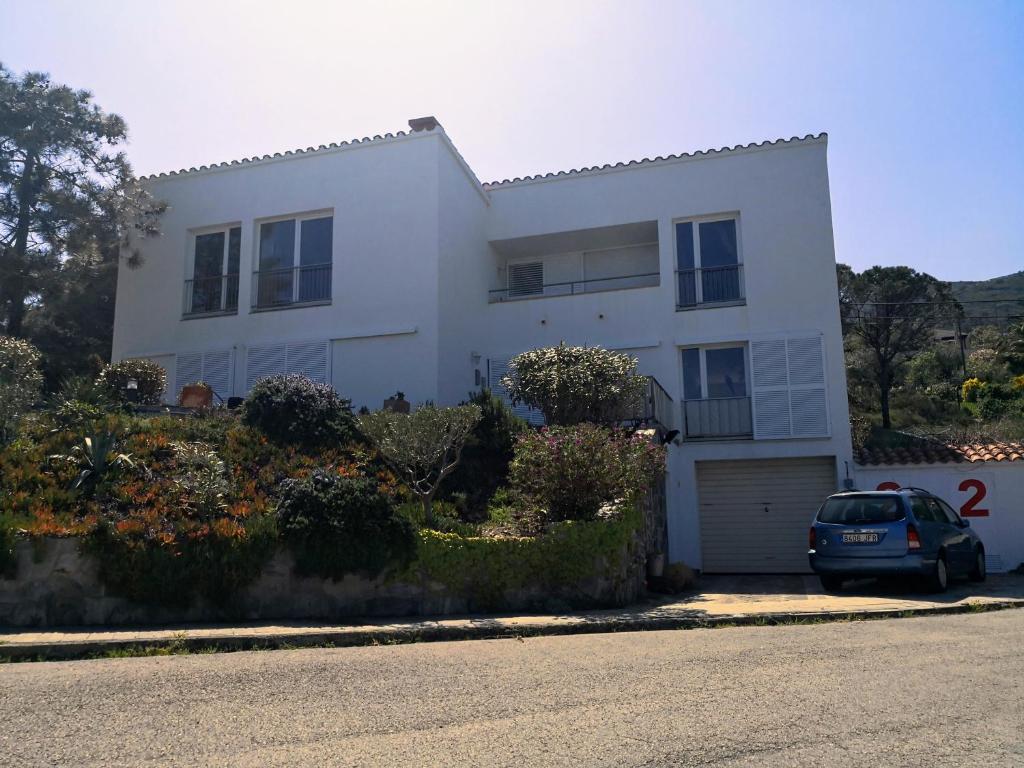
(989,495)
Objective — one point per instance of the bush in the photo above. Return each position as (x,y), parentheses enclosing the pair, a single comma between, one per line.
(486,455)
(570,472)
(971,389)
(423,447)
(571,385)
(151,379)
(337,525)
(295,410)
(20,382)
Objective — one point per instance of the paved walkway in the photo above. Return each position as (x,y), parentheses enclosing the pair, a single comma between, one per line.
(717,600)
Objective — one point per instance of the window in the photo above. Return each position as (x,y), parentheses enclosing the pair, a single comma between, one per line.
(861,510)
(708,265)
(951,515)
(714,373)
(715,401)
(213,286)
(526,279)
(942,513)
(295,258)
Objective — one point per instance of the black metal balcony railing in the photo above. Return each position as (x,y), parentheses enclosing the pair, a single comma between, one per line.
(710,285)
(292,285)
(718,417)
(646,280)
(211,295)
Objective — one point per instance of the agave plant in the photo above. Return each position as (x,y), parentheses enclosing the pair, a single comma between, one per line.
(95,457)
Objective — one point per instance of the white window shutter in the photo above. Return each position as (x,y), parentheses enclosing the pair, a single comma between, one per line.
(308,359)
(789,395)
(807,395)
(262,361)
(526,279)
(498,368)
(188,370)
(770,387)
(218,370)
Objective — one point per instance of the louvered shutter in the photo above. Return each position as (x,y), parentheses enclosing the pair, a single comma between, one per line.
(188,370)
(262,361)
(217,372)
(770,382)
(789,396)
(308,359)
(214,368)
(526,279)
(807,399)
(496,369)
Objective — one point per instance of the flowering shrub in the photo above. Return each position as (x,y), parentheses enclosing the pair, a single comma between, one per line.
(571,471)
(295,410)
(971,389)
(571,385)
(337,525)
(20,382)
(150,378)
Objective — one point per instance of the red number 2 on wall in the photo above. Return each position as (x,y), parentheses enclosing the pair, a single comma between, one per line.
(970,507)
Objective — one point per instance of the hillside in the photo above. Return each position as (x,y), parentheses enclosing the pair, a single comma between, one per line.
(1007,291)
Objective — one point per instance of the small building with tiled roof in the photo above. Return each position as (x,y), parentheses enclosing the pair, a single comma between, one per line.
(984,482)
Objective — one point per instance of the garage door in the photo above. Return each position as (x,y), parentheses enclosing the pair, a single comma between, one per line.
(754,515)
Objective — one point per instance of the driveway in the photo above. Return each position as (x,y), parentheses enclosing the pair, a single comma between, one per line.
(940,691)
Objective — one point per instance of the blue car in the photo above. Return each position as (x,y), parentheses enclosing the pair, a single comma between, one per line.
(909,532)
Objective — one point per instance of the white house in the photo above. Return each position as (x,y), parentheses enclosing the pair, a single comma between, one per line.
(384,264)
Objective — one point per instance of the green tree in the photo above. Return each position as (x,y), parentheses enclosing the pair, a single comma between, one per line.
(70,207)
(423,447)
(891,312)
(572,385)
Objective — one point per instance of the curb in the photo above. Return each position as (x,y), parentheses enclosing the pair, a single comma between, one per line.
(184,642)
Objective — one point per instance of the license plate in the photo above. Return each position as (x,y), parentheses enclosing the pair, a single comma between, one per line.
(860,538)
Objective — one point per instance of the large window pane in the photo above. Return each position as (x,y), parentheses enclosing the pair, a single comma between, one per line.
(718,244)
(726,372)
(277,257)
(315,259)
(684,245)
(234,259)
(206,272)
(691,374)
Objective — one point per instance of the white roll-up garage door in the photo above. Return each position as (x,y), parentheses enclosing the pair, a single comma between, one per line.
(754,514)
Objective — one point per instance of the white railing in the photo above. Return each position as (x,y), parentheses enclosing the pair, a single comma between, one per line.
(718,417)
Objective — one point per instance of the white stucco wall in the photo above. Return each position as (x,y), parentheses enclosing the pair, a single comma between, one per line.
(781,196)
(384,201)
(992,487)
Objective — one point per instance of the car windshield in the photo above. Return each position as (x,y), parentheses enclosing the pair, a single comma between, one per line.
(862,509)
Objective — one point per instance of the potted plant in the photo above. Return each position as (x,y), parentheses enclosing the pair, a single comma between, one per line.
(198,395)
(397,403)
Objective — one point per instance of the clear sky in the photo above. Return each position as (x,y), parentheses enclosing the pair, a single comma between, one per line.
(923,102)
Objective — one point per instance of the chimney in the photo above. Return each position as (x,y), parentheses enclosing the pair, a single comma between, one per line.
(424,123)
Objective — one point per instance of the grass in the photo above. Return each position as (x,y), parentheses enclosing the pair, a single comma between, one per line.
(179,645)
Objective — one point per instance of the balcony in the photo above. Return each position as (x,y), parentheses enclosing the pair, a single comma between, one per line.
(656,411)
(710,286)
(717,418)
(306,285)
(572,288)
(215,295)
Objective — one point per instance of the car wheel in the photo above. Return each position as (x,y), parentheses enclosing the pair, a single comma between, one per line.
(831,583)
(978,571)
(939,579)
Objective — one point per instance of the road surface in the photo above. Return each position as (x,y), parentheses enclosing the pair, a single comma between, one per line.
(939,691)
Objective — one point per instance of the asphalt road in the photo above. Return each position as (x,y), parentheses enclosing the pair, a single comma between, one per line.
(941,691)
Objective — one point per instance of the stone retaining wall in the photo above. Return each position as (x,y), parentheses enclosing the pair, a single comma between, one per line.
(56,585)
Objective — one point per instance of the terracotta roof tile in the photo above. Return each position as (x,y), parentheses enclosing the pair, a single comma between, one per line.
(938,453)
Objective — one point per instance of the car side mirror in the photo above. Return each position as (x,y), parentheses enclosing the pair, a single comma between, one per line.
(964,523)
